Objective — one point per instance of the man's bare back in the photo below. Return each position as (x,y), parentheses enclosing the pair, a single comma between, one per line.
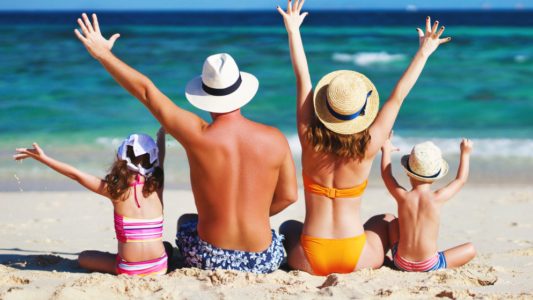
(236,165)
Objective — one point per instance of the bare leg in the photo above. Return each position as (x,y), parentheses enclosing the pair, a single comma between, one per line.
(295,254)
(97,261)
(460,255)
(377,241)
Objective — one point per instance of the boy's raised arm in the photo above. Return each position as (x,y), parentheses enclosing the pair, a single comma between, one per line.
(447,192)
(396,190)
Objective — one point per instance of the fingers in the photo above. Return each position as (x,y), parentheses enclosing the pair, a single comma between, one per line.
(20,156)
(300,5)
(428,24)
(435,26)
(21,150)
(95,23)
(87,22)
(420,33)
(80,36)
(113,38)
(304,15)
(440,31)
(289,7)
(281,11)
(83,28)
(444,40)
(38,148)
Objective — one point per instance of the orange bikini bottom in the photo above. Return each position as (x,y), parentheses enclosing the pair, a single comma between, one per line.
(328,256)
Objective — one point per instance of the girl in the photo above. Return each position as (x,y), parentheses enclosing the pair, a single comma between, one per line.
(341,131)
(135,187)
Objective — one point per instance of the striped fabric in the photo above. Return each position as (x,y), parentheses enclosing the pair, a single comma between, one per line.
(437,261)
(156,266)
(138,230)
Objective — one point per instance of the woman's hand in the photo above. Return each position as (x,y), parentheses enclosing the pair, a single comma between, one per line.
(92,38)
(430,40)
(36,153)
(292,17)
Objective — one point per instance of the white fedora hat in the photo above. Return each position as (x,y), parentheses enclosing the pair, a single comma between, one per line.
(425,163)
(222,87)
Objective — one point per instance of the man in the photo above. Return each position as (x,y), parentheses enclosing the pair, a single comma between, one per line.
(242,172)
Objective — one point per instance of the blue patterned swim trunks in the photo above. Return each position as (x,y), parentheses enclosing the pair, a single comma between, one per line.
(200,254)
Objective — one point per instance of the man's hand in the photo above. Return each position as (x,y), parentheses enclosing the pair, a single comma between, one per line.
(92,38)
(430,40)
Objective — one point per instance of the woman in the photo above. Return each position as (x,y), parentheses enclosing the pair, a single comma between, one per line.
(341,131)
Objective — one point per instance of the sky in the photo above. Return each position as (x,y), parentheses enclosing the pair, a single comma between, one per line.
(259,4)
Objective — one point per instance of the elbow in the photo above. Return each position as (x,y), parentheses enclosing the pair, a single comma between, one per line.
(144,91)
(292,197)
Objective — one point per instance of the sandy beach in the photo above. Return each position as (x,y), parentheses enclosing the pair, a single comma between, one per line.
(42,232)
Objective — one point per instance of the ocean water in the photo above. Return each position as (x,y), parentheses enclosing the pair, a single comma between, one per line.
(51,91)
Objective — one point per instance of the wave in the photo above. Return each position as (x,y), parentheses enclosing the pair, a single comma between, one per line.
(114,142)
(485,148)
(367,58)
(520,58)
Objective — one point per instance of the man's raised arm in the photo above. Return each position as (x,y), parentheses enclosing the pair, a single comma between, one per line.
(181,124)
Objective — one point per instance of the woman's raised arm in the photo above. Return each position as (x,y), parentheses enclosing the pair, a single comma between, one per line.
(429,42)
(183,125)
(304,89)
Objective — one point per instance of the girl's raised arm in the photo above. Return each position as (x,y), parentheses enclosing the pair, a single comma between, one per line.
(429,42)
(90,182)
(304,89)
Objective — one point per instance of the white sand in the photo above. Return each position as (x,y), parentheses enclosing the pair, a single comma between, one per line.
(41,233)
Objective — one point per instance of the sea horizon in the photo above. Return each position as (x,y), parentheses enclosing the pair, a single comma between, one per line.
(52,91)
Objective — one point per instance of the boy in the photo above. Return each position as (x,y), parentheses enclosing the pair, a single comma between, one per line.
(414,236)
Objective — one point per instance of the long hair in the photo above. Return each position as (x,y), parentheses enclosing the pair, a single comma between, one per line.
(351,146)
(119,177)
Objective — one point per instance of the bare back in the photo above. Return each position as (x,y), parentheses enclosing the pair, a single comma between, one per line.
(151,208)
(333,218)
(235,166)
(418,216)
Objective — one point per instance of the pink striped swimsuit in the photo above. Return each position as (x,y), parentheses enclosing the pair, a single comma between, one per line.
(129,230)
(436,262)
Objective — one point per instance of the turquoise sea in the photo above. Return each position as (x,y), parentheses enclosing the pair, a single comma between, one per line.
(51,91)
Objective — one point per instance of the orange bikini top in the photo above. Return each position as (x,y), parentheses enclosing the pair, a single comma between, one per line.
(316,188)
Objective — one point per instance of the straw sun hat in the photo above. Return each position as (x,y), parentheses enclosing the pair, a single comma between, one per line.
(425,163)
(346,102)
(222,87)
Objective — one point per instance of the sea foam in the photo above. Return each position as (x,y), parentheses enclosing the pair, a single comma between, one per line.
(367,58)
(486,147)
(483,147)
